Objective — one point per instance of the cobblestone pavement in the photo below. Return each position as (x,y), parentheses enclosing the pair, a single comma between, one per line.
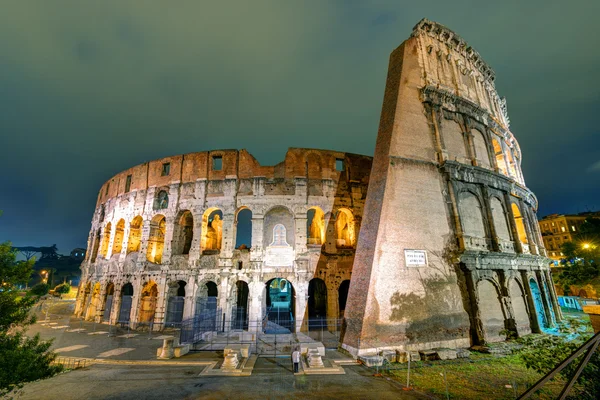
(270,380)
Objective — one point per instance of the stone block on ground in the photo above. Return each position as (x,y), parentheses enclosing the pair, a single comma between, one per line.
(415,356)
(429,355)
(371,360)
(402,356)
(181,350)
(446,354)
(389,355)
(167,349)
(305,347)
(463,353)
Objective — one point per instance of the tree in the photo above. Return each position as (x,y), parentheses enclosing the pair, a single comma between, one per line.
(582,257)
(22,358)
(63,288)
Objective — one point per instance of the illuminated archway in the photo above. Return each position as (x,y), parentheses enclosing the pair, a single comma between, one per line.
(119,234)
(105,240)
(212,229)
(148,302)
(344,228)
(315,226)
(156,241)
(183,234)
(135,235)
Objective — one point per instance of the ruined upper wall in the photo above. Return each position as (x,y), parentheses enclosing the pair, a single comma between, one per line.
(450,64)
(237,164)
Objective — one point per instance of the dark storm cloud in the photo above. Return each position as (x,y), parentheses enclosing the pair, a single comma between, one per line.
(88,89)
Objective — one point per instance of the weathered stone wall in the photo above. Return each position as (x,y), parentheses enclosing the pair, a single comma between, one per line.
(446,179)
(183,227)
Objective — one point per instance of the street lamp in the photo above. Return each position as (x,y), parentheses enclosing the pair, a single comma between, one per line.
(586,246)
(44,274)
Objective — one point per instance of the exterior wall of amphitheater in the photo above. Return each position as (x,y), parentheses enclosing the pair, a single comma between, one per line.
(154,226)
(446,181)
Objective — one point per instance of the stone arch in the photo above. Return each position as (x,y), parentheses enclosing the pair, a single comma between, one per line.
(148,300)
(156,240)
(183,233)
(490,310)
(538,303)
(520,223)
(471,215)
(317,303)
(212,229)
(519,305)
(243,226)
(126,303)
(481,149)
(119,236)
(315,226)
(344,229)
(105,240)
(500,219)
(175,303)
(108,301)
(279,215)
(499,154)
(454,141)
(239,311)
(206,311)
(161,200)
(135,235)
(343,297)
(279,306)
(96,246)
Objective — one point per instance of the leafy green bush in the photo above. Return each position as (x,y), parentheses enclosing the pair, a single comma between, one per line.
(63,288)
(40,289)
(544,352)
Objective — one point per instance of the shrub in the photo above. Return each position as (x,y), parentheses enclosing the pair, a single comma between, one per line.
(63,288)
(40,289)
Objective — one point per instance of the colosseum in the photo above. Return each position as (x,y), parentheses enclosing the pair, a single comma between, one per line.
(431,243)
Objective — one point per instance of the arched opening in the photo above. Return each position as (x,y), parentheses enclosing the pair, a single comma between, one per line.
(454,140)
(126,302)
(183,234)
(96,246)
(512,168)
(317,304)
(481,149)
(243,235)
(343,297)
(538,303)
(315,226)
(239,311)
(105,240)
(344,229)
(206,312)
(119,234)
(212,230)
(517,298)
(156,241)
(500,219)
(490,310)
(471,215)
(148,303)
(499,154)
(279,221)
(135,235)
(161,201)
(520,223)
(108,301)
(175,303)
(279,299)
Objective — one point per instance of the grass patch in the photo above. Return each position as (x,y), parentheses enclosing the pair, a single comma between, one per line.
(481,377)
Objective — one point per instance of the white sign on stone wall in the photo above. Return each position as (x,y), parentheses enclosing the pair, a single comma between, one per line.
(277,256)
(415,258)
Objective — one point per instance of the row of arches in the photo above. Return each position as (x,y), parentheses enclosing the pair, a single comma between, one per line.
(474,219)
(341,229)
(487,151)
(278,303)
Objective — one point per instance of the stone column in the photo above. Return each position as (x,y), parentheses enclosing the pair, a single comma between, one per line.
(168,240)
(228,239)
(332,307)
(526,224)
(116,305)
(545,299)
(144,239)
(100,308)
(224,293)
(161,302)
(533,317)
(301,291)
(255,292)
(300,234)
(476,326)
(553,297)
(136,300)
(490,218)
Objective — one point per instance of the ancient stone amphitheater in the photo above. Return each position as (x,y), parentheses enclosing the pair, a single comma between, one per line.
(431,243)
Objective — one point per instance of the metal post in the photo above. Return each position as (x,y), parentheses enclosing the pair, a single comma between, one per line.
(446,384)
(408,372)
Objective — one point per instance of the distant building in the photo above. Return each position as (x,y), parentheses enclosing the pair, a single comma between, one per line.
(558,229)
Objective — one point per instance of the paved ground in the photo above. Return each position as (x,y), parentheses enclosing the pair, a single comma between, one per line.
(268,381)
(272,378)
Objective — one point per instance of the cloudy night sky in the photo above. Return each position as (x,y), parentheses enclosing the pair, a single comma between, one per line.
(90,88)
